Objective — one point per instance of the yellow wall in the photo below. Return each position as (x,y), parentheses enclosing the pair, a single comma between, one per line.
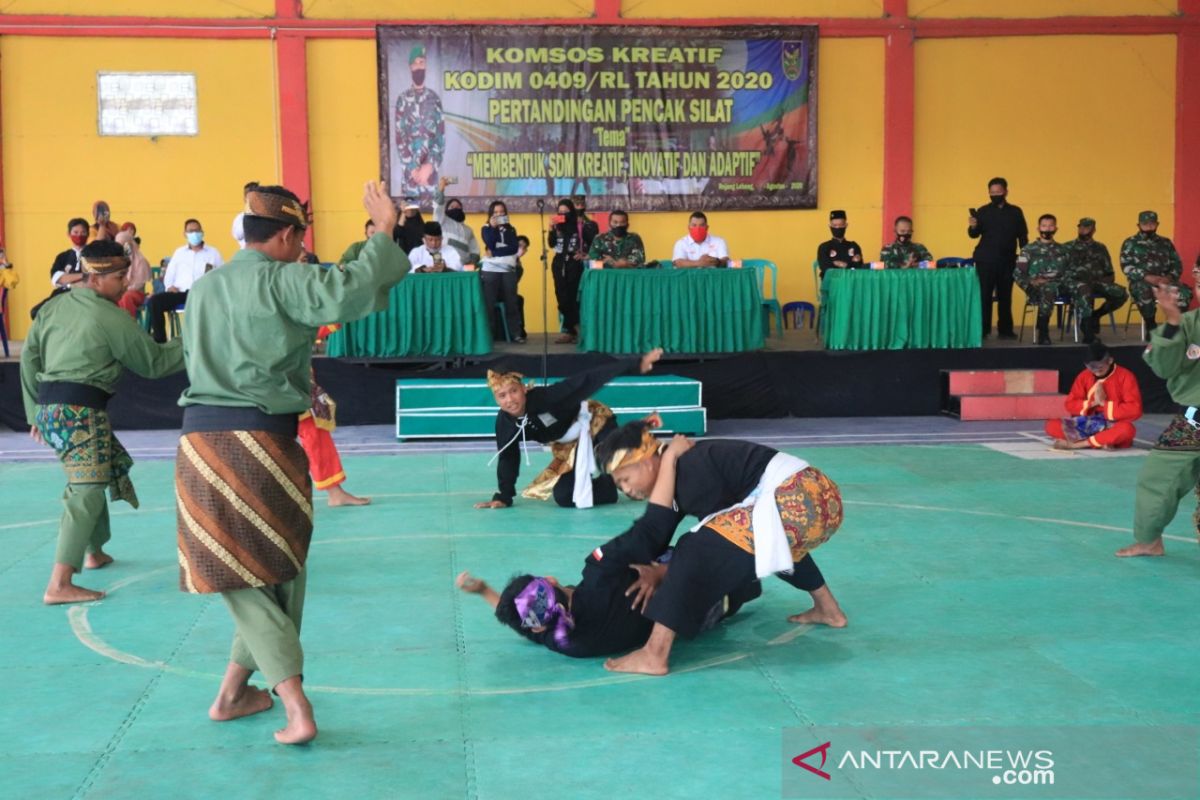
(56,165)
(1080,126)
(444,9)
(216,9)
(698,9)
(1014,9)
(343,130)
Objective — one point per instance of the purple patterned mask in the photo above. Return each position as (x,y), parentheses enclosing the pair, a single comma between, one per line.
(538,607)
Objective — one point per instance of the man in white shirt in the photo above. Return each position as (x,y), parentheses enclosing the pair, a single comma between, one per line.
(700,248)
(188,265)
(430,256)
(238,230)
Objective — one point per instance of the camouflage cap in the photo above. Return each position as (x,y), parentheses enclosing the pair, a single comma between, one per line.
(418,51)
(1148,216)
(1087,222)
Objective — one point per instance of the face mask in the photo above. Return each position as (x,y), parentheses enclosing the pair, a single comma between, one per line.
(698,234)
(194,238)
(1047,235)
(1085,237)
(838,233)
(619,230)
(997,199)
(1148,234)
(418,76)
(79,239)
(456,214)
(903,237)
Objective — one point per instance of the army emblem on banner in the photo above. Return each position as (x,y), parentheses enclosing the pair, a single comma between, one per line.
(793,60)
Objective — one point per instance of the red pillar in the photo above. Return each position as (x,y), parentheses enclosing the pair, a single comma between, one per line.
(291,59)
(1186,231)
(899,78)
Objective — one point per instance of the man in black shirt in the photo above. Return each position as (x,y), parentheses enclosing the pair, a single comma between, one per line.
(1002,232)
(839,252)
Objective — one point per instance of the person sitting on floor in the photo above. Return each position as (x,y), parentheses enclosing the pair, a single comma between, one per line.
(1101,408)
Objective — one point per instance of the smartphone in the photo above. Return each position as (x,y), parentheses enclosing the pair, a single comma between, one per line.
(502,219)
(560,219)
(452,179)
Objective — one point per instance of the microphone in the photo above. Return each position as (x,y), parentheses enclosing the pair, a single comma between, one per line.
(541,204)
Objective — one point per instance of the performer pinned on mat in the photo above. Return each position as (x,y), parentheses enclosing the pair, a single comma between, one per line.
(562,416)
(72,359)
(761,513)
(1101,408)
(1172,469)
(316,428)
(244,494)
(595,617)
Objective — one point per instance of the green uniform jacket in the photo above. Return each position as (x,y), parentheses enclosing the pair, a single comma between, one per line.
(81,337)
(249,327)
(625,248)
(1176,359)
(904,255)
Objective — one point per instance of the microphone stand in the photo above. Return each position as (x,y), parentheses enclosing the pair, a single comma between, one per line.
(541,205)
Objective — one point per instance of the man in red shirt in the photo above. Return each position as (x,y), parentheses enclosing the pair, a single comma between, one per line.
(1101,408)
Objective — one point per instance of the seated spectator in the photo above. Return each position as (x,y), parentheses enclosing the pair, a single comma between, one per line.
(189,264)
(431,256)
(410,230)
(104,228)
(139,270)
(355,248)
(904,253)
(66,270)
(456,232)
(238,230)
(839,252)
(1042,272)
(498,268)
(618,248)
(1103,404)
(700,248)
(1089,262)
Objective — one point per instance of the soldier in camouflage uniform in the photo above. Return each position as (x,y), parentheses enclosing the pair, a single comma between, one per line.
(904,253)
(1042,273)
(420,132)
(618,248)
(1090,263)
(1147,259)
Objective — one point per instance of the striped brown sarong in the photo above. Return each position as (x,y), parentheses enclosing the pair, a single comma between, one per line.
(244,507)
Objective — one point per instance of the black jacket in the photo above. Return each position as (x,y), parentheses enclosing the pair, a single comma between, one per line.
(839,250)
(1001,231)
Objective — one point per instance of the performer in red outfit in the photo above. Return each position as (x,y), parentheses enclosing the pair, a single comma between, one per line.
(324,464)
(1104,402)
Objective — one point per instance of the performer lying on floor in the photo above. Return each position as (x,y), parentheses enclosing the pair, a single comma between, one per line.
(562,416)
(761,513)
(595,617)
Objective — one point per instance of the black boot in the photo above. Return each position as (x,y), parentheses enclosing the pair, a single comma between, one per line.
(1150,323)
(1043,329)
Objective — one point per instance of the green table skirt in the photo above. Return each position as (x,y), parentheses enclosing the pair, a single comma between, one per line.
(428,314)
(901,308)
(679,310)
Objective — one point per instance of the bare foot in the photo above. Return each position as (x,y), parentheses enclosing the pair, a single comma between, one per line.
(639,661)
(249,701)
(834,618)
(97,560)
(340,497)
(70,594)
(301,728)
(1154,548)
(1059,444)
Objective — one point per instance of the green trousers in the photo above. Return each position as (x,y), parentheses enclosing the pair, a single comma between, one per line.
(267,639)
(1165,478)
(84,527)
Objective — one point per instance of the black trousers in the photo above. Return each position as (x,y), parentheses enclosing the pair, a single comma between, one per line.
(501,287)
(604,490)
(996,278)
(158,305)
(706,567)
(567,274)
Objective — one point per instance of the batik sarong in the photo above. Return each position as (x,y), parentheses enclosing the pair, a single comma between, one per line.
(563,456)
(244,507)
(810,507)
(83,439)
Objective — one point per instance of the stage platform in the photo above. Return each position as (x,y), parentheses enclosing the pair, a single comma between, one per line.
(792,377)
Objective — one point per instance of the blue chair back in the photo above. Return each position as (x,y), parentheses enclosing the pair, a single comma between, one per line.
(951,263)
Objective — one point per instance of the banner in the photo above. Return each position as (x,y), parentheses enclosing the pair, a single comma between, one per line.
(642,118)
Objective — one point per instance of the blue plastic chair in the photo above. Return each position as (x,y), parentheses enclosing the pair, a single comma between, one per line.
(770,301)
(951,263)
(4,320)
(795,312)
